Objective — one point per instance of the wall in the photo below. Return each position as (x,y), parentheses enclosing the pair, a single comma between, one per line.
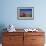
(8,13)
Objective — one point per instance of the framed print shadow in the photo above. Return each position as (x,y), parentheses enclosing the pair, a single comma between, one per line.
(25,13)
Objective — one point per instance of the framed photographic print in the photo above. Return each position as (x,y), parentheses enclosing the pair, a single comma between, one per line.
(25,13)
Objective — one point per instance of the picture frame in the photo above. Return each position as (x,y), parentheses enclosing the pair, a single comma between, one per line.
(25,13)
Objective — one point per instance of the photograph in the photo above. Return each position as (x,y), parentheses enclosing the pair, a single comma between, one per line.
(25,13)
